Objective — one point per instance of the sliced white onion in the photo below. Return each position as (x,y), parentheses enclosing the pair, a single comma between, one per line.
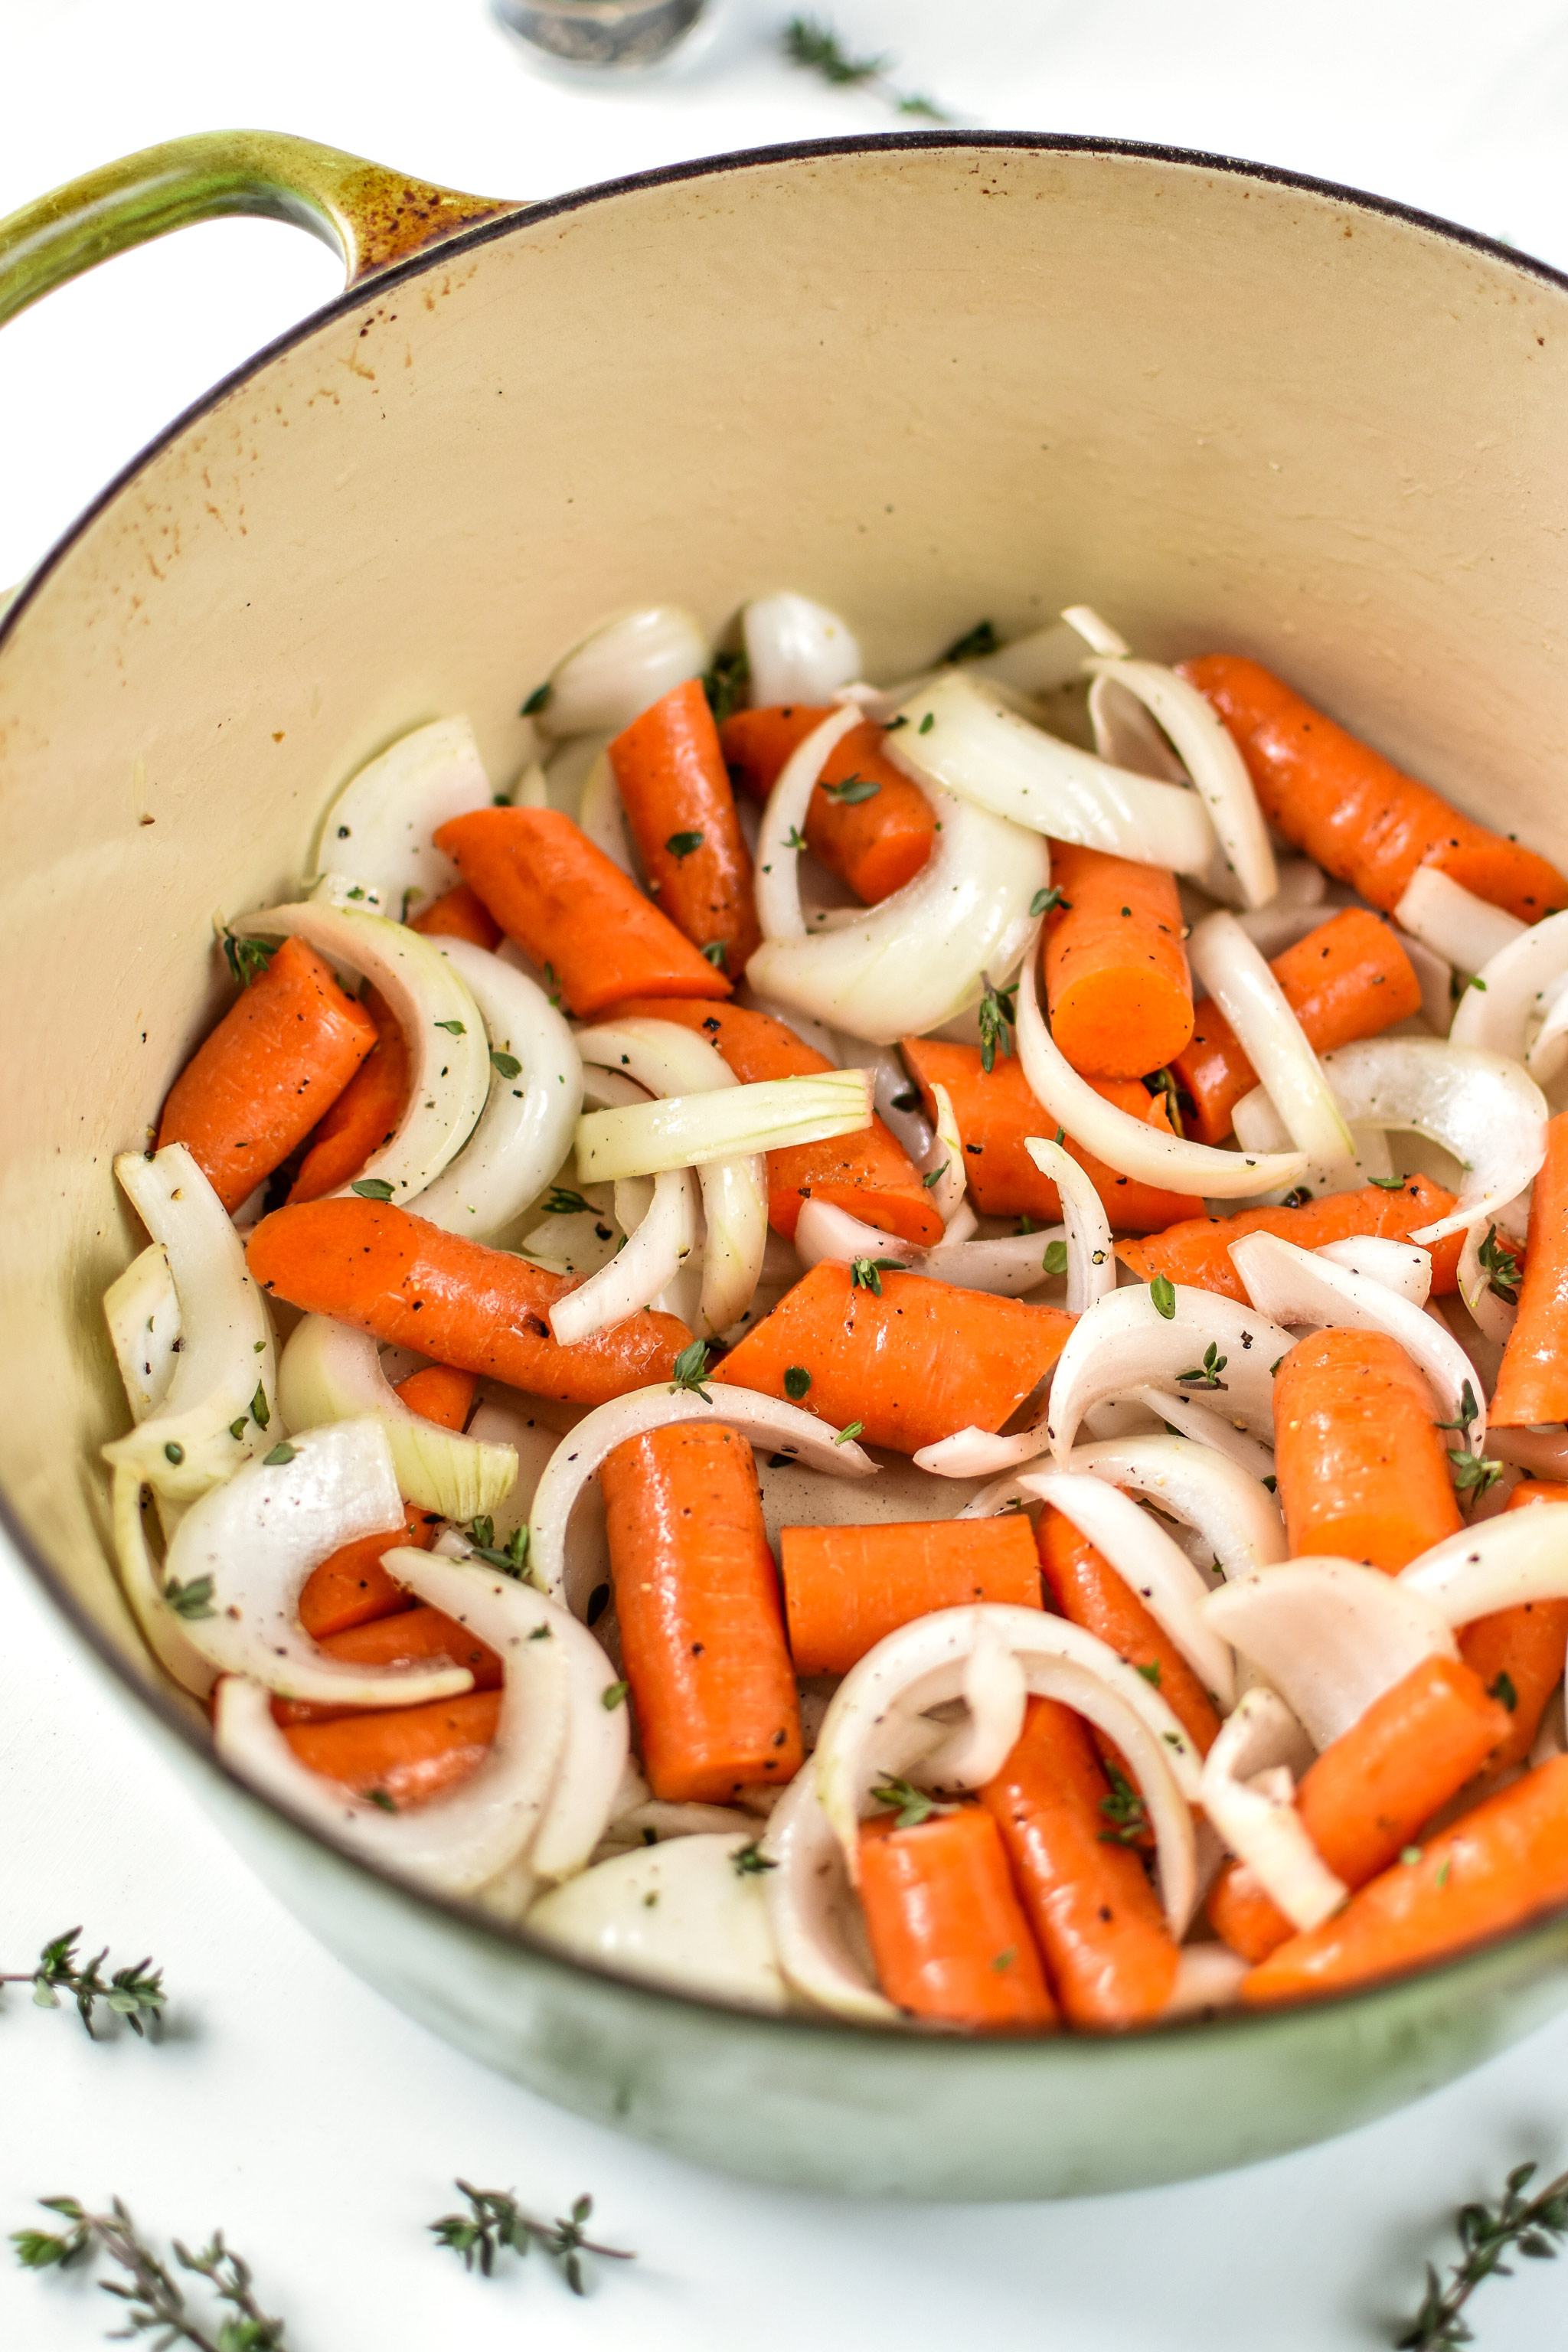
(1400,1266)
(683,1914)
(1208,1980)
(256,1538)
(162,1629)
(602,814)
(1480,1107)
(332,1372)
(1507,999)
(1208,752)
(796,651)
(783,826)
(1152,1155)
(908,964)
(693,1130)
(1297,1286)
(1124,1344)
(1006,1266)
(622,668)
(1248,1794)
(1281,924)
(1434,977)
(1331,1636)
(943,1163)
(977,1454)
(1544,1056)
(764,1420)
(1519,1557)
(1189,1419)
(1492,1316)
(1465,930)
(524,1131)
(960,735)
(813,1910)
(1153,1568)
(449,1058)
(205,1426)
(376,835)
(657,1248)
(1091,1261)
(531,789)
(1040,663)
(876,1724)
(1095,632)
(995,1694)
(1234,1512)
(142,1309)
(1258,1127)
(1255,1004)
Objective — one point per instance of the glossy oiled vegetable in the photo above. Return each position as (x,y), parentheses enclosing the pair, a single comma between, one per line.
(1532,1385)
(1363,1470)
(1197,1250)
(458,914)
(279,1057)
(405,1637)
(697,1598)
(351,1588)
(908,1363)
(407,1755)
(947,1931)
(875,839)
(1117,982)
(1353,810)
(670,775)
(391,1273)
(364,1116)
(846,1587)
(1517,1652)
(1089,1591)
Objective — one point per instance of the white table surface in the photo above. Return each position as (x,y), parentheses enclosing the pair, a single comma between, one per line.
(289,2104)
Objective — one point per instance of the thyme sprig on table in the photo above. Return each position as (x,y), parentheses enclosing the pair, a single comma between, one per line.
(135,1993)
(816,49)
(1515,2224)
(153,2298)
(496,2223)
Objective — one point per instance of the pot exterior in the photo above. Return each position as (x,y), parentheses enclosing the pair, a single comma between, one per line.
(925,380)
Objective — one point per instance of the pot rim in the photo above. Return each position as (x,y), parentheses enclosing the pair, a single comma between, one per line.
(504,1936)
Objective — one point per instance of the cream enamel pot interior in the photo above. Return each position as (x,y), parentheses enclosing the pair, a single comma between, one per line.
(922,378)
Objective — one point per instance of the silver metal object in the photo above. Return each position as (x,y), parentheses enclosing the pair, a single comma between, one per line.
(586,38)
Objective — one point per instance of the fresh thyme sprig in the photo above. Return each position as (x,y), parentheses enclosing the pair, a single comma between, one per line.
(816,49)
(496,2223)
(865,1273)
(997,1015)
(247,959)
(1205,1375)
(153,2298)
(1501,1266)
(1515,2224)
(135,1993)
(913,1805)
(510,1558)
(691,1370)
(1124,1809)
(725,684)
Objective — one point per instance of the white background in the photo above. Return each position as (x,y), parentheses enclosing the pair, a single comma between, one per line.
(288,2103)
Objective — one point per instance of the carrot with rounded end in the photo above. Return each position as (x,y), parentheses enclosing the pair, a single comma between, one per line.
(1197,1251)
(1519,1653)
(680,805)
(482,1310)
(947,1931)
(440,1393)
(1532,1384)
(1347,980)
(1245,1916)
(572,911)
(868,1173)
(364,1116)
(904,1366)
(1117,982)
(1110,1957)
(256,1086)
(410,1637)
(697,1598)
(351,1588)
(995,1111)
(866,822)
(404,1756)
(1361,1467)
(1497,1867)
(845,1588)
(1088,1590)
(1367,1795)
(458,914)
(1359,816)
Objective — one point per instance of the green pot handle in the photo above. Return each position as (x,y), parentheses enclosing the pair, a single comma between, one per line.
(370,215)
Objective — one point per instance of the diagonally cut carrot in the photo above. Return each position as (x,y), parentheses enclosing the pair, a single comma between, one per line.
(1117,981)
(948,1934)
(875,839)
(677,797)
(1088,1590)
(364,1116)
(1363,1470)
(845,1588)
(1197,1250)
(1532,1384)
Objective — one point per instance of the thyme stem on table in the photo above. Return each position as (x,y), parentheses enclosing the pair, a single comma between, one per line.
(1514,2224)
(816,49)
(135,1993)
(495,2223)
(153,2298)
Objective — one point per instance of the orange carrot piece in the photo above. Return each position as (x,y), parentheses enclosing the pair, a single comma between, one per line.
(256,1086)
(869,1174)
(364,1116)
(1197,1251)
(412,1637)
(947,1931)
(351,1588)
(440,1393)
(1497,1867)
(1532,1384)
(995,1111)
(876,841)
(1088,1590)
(681,804)
(481,1310)
(696,1598)
(1353,811)
(406,1754)
(1519,1653)
(1117,982)
(845,1588)
(1110,1957)
(1347,980)
(1361,1466)
(906,1367)
(573,911)
(458,914)
(1245,1916)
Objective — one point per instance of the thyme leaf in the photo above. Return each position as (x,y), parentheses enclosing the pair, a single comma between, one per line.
(496,2223)
(1516,2224)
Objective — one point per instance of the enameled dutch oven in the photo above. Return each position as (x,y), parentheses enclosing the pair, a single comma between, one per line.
(921,378)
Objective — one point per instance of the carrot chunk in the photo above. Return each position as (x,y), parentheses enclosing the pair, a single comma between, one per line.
(351,1588)
(948,1934)
(1117,982)
(411,1637)
(1532,1384)
(1519,1653)
(458,914)
(364,1116)
(440,1393)
(406,1754)
(1362,1469)
(1197,1250)
(845,1588)
(875,840)
(1088,1590)
(677,797)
